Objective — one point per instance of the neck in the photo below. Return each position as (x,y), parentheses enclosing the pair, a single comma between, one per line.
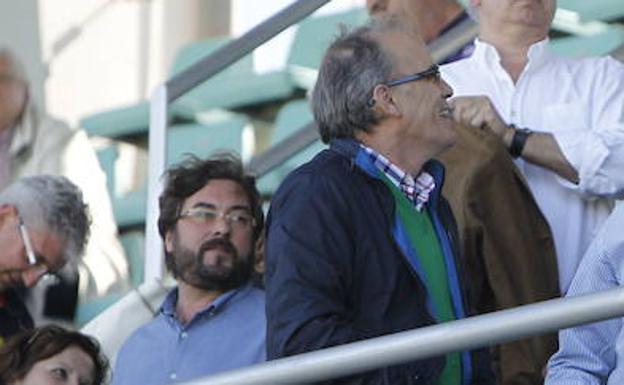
(512,45)
(408,156)
(192,300)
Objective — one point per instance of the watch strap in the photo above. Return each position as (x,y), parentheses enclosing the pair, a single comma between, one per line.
(518,141)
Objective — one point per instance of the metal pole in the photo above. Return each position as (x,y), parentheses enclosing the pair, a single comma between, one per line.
(469,333)
(205,68)
(157,142)
(282,151)
(453,40)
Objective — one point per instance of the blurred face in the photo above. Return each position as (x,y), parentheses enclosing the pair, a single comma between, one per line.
(15,268)
(13,93)
(72,366)
(416,12)
(534,15)
(426,117)
(211,245)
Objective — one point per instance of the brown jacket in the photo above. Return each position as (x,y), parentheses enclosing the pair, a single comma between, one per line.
(506,243)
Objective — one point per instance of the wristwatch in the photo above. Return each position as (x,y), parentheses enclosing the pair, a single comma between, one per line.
(518,141)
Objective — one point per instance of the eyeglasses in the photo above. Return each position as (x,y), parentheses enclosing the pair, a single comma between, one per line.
(431,72)
(239,219)
(33,259)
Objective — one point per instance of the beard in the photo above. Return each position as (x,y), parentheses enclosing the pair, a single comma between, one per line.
(229,271)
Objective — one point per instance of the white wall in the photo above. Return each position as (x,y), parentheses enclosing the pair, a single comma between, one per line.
(102,53)
(19,31)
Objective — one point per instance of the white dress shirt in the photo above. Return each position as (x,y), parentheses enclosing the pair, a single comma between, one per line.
(593,354)
(579,101)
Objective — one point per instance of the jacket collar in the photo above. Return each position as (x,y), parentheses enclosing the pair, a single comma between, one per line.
(350,149)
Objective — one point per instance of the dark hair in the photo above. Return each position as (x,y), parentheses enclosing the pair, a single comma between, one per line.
(192,174)
(352,66)
(24,350)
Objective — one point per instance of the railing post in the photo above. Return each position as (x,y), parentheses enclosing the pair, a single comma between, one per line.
(156,166)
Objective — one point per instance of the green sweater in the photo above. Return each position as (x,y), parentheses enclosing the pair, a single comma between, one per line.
(424,240)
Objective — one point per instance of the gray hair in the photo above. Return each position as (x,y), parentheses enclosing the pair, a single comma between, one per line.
(54,205)
(19,70)
(353,65)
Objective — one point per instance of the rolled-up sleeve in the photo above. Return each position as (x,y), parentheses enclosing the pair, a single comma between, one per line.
(597,153)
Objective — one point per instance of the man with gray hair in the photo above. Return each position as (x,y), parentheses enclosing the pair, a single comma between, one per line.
(33,143)
(359,241)
(44,223)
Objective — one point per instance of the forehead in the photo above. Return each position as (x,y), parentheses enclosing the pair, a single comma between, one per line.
(75,358)
(220,193)
(408,51)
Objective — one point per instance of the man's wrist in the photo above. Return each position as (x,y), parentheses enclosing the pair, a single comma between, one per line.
(518,140)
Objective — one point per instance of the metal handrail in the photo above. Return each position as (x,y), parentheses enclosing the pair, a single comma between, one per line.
(465,334)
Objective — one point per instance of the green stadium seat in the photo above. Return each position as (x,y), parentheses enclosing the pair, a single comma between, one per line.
(291,117)
(588,10)
(236,86)
(312,38)
(599,44)
(217,131)
(133,243)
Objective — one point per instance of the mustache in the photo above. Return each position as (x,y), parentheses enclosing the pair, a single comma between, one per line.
(221,243)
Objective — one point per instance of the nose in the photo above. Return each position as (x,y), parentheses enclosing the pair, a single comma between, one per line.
(32,275)
(447,91)
(221,226)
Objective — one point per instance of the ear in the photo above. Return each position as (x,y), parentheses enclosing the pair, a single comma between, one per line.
(259,254)
(7,211)
(169,241)
(384,102)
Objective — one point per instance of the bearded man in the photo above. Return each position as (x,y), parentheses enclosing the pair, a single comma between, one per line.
(210,219)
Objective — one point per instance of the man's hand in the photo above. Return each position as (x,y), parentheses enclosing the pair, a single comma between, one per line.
(541,148)
(478,111)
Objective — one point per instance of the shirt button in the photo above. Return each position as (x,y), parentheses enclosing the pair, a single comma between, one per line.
(173,376)
(184,335)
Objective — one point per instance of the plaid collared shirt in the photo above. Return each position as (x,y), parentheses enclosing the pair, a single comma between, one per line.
(417,190)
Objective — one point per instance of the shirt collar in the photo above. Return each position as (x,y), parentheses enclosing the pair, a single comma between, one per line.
(417,190)
(168,308)
(487,54)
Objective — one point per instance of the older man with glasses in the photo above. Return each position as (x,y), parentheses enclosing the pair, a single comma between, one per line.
(43,224)
(360,242)
(210,219)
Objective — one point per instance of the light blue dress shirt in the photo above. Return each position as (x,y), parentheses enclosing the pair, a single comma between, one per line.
(228,334)
(593,354)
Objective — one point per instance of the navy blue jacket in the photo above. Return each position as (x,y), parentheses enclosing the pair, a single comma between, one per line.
(338,266)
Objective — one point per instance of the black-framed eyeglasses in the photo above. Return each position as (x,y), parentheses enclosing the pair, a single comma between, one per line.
(431,72)
(237,218)
(33,259)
